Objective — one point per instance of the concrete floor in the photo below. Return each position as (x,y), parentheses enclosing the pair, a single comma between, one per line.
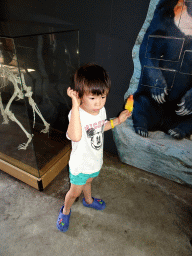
(145,215)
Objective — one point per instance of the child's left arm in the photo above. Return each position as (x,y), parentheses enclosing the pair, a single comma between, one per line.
(118,120)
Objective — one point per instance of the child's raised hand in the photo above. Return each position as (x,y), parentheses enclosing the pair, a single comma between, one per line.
(124,115)
(74,96)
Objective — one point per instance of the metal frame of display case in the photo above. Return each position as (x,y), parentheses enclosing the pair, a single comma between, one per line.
(52,167)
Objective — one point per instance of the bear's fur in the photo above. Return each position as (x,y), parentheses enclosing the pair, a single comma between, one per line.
(163,100)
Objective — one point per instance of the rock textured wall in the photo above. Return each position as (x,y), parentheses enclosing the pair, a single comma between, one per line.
(159,153)
(135,52)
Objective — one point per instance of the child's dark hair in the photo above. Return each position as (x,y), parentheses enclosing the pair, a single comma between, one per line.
(91,78)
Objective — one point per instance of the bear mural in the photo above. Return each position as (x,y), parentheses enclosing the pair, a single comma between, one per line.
(158,137)
(163,100)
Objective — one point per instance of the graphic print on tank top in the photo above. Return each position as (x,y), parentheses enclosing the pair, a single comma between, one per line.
(96,137)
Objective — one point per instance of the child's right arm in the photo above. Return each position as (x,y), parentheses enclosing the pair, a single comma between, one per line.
(74,130)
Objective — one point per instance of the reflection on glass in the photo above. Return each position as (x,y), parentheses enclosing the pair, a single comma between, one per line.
(15,128)
(35,72)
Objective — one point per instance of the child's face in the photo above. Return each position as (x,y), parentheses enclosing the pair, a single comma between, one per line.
(93,103)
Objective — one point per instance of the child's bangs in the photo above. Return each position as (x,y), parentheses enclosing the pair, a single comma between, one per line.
(96,89)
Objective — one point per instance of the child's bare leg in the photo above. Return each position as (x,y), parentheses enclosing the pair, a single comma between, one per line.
(70,197)
(87,191)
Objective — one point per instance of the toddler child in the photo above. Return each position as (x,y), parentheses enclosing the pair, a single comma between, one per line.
(87,123)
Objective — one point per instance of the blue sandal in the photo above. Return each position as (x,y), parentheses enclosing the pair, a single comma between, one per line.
(63,220)
(97,204)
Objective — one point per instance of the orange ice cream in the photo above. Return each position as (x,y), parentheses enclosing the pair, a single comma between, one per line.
(129,103)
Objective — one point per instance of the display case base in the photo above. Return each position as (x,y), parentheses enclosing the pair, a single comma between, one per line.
(50,170)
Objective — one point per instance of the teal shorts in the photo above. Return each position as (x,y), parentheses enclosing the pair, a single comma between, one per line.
(81,178)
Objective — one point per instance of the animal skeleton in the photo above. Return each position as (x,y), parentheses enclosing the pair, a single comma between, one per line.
(11,74)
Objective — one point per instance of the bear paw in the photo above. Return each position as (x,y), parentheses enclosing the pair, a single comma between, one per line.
(141,131)
(176,133)
(159,91)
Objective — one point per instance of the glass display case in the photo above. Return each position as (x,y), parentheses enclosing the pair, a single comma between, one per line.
(37,63)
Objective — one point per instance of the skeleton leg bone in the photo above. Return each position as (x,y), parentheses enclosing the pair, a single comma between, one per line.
(36,109)
(13,118)
(5,119)
(29,136)
(34,106)
(17,93)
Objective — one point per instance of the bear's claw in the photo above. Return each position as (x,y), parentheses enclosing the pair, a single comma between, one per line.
(141,131)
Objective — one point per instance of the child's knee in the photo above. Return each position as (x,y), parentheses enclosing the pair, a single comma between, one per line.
(75,195)
(74,192)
